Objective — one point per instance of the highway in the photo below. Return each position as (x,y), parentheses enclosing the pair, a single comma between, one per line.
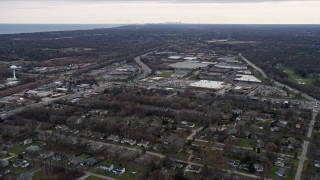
(146,70)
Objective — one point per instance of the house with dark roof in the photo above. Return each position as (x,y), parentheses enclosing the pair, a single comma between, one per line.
(89,162)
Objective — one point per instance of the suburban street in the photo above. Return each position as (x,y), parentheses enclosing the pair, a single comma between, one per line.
(305,146)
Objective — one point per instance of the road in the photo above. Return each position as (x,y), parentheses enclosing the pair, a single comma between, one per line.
(305,146)
(87,174)
(146,69)
(194,132)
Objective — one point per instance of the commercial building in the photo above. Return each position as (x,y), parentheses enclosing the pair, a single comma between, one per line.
(247,78)
(214,85)
(186,65)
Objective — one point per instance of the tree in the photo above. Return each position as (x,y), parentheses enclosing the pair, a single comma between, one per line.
(258,150)
(20,156)
(179,175)
(205,170)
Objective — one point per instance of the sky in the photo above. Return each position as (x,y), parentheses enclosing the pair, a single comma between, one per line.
(160,11)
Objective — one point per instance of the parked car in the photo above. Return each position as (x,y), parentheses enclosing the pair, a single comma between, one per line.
(17,164)
(24,164)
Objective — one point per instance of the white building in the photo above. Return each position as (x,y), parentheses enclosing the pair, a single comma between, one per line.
(215,85)
(247,78)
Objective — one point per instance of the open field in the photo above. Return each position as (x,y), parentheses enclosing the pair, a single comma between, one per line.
(296,77)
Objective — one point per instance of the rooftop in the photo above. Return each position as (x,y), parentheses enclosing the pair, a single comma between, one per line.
(216,85)
(188,65)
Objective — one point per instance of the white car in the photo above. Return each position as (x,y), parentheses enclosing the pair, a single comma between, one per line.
(24,164)
(317,165)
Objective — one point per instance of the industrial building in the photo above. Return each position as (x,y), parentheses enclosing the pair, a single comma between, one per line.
(247,78)
(186,65)
(214,85)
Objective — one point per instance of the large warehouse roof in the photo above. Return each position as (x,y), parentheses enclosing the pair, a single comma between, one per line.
(247,78)
(188,65)
(216,85)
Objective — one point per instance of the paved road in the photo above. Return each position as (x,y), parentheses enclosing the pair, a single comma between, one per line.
(87,174)
(303,156)
(194,132)
(146,69)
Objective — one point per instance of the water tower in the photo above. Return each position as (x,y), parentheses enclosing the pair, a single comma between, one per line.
(14,67)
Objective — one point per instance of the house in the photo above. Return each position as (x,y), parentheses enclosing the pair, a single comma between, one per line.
(27,141)
(8,144)
(120,170)
(144,144)
(281,172)
(46,154)
(58,157)
(33,149)
(106,167)
(233,131)
(237,112)
(128,141)
(198,144)
(168,141)
(76,160)
(282,123)
(177,165)
(193,169)
(89,162)
(235,149)
(114,138)
(275,129)
(156,146)
(190,125)
(258,168)
(201,157)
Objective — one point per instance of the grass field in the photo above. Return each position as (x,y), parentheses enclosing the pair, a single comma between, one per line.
(22,148)
(166,74)
(296,77)
(246,143)
(37,175)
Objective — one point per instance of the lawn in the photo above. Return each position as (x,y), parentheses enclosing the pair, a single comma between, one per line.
(290,174)
(166,74)
(130,167)
(296,77)
(246,143)
(37,175)
(21,148)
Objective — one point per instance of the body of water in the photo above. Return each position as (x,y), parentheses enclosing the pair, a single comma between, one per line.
(31,28)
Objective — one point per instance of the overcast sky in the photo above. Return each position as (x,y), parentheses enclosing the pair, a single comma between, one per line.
(160,11)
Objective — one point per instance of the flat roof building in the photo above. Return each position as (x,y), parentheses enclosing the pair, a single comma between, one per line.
(188,65)
(246,78)
(215,85)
